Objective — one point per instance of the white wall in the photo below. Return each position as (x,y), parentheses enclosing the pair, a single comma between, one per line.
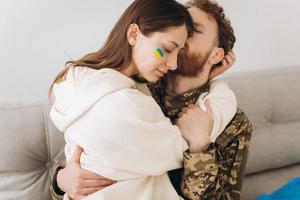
(267,31)
(38,36)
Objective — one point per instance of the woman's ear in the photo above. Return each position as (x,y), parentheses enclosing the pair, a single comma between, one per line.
(132,34)
(218,55)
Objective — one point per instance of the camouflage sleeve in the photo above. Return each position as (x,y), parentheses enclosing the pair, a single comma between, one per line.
(199,174)
(218,172)
(56,192)
(233,150)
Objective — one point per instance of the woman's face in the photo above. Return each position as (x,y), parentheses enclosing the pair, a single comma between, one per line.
(154,55)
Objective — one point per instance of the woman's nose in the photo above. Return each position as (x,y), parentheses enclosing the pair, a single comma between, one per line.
(171,62)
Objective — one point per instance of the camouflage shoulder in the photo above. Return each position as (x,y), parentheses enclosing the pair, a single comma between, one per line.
(239,125)
(242,121)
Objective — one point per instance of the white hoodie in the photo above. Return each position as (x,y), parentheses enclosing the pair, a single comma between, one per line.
(123,133)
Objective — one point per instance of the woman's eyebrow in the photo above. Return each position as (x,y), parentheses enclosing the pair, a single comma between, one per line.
(177,45)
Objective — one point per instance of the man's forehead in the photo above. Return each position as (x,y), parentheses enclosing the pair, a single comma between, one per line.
(200,16)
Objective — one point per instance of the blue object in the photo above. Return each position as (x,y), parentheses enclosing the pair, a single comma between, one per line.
(290,191)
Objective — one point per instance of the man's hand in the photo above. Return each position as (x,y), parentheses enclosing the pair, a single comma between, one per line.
(196,126)
(227,62)
(78,182)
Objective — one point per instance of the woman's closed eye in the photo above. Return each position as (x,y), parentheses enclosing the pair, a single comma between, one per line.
(198,31)
(168,50)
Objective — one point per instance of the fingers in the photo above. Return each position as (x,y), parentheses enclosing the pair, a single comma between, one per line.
(230,59)
(90,190)
(86,174)
(191,106)
(87,187)
(227,62)
(186,109)
(76,155)
(98,183)
(232,55)
(179,116)
(224,62)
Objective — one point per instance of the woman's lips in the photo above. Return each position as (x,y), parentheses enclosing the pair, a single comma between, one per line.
(161,73)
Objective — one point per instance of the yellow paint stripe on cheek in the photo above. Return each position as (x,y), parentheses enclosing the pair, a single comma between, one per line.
(158,52)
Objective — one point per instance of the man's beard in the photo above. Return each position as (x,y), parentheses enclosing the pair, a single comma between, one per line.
(190,64)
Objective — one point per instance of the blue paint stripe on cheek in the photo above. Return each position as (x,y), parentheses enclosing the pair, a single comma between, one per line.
(160,52)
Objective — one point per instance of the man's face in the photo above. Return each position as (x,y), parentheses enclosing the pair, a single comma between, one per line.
(193,59)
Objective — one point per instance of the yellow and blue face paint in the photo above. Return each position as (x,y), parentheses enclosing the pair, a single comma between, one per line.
(159,53)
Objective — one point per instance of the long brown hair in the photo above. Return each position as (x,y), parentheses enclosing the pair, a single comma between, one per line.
(150,15)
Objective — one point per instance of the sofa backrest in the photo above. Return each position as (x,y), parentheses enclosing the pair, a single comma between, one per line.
(271,99)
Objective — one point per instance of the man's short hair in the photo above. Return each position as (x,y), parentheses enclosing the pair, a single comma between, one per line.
(226,38)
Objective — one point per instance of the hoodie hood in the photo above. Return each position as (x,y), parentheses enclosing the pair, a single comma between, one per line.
(83,88)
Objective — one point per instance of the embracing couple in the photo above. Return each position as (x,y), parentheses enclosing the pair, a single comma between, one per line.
(142,117)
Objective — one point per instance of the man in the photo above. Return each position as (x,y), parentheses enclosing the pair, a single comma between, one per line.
(217,171)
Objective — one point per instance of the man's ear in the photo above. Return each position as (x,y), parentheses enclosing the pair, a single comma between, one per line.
(218,55)
(132,34)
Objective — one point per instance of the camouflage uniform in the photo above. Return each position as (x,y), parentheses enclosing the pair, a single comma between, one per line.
(218,171)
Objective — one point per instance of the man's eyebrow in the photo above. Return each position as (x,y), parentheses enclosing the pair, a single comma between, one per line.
(198,24)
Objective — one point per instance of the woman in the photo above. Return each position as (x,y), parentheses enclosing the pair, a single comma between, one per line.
(97,102)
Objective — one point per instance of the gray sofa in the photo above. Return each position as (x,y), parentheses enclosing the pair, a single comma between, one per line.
(271,100)
(30,143)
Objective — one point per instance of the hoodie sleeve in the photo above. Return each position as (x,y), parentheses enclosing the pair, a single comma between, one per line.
(127,130)
(223,104)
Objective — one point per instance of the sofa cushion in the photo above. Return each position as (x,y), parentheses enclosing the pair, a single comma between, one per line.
(29,145)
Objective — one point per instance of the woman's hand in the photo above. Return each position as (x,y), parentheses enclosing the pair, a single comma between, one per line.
(78,182)
(226,63)
(196,126)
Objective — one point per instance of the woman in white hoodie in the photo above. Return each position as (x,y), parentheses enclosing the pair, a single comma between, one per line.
(123,132)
